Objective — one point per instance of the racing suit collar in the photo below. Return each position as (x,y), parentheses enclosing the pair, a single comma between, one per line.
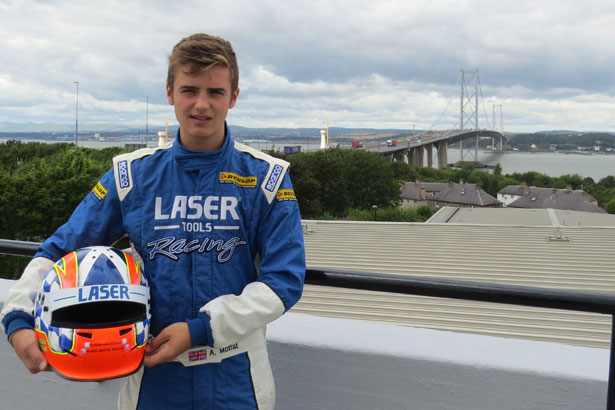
(194,160)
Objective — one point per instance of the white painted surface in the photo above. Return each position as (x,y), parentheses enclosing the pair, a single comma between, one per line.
(326,364)
(344,364)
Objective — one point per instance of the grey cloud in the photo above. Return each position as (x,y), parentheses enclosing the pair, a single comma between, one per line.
(321,56)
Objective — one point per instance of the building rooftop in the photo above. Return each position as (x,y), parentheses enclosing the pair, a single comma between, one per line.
(557,199)
(549,256)
(537,197)
(522,190)
(524,216)
(421,191)
(465,194)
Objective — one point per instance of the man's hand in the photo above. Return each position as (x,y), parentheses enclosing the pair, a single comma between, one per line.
(170,343)
(25,343)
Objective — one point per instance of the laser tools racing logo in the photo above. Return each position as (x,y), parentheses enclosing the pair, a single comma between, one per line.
(196,214)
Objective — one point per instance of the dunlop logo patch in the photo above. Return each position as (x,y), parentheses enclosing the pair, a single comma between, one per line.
(286,195)
(232,178)
(99,191)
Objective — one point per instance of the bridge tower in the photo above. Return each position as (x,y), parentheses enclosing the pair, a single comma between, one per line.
(468,110)
(498,124)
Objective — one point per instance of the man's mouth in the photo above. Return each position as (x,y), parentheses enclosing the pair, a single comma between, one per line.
(200,117)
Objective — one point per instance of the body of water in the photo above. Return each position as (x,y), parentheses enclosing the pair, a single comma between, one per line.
(554,164)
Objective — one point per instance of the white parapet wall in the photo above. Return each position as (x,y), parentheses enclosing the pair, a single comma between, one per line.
(338,364)
(326,363)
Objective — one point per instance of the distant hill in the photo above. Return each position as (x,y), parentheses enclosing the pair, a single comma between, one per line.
(47,127)
(238,131)
(569,132)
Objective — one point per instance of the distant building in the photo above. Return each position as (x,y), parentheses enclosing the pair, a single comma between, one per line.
(521,216)
(463,195)
(521,196)
(416,194)
(436,195)
(135,146)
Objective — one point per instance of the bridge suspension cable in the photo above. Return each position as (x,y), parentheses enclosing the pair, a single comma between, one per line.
(465,103)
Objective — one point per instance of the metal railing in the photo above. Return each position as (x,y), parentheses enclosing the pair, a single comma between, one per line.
(484,292)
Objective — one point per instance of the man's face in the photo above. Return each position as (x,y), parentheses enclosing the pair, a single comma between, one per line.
(201,101)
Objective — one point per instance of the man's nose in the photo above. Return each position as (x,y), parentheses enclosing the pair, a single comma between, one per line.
(202,101)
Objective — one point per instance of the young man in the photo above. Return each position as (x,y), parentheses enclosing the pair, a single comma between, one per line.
(218,228)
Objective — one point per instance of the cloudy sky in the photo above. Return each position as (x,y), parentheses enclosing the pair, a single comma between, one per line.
(354,63)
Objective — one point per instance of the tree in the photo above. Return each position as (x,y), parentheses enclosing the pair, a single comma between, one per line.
(610,207)
(608,182)
(404,172)
(369,180)
(307,186)
(342,179)
(42,188)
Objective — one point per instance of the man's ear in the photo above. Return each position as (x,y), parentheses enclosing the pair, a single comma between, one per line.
(169,94)
(234,98)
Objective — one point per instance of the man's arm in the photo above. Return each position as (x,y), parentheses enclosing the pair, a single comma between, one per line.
(18,310)
(25,343)
(96,221)
(170,343)
(229,318)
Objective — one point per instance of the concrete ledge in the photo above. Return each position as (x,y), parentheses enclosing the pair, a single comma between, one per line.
(324,363)
(327,363)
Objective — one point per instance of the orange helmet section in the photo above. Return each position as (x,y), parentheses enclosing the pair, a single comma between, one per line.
(91,314)
(67,270)
(97,353)
(134,270)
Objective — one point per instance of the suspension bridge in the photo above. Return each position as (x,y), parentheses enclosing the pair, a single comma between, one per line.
(413,150)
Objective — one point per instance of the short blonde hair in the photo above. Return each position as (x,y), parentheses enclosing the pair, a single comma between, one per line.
(202,52)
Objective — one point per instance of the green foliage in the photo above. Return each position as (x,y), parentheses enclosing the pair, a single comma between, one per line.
(562,141)
(404,172)
(390,214)
(307,186)
(610,206)
(12,266)
(335,180)
(608,182)
(40,186)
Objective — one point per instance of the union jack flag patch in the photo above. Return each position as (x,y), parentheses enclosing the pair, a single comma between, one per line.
(197,355)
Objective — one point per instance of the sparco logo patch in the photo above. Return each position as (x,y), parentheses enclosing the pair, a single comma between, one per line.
(231,178)
(273,178)
(122,168)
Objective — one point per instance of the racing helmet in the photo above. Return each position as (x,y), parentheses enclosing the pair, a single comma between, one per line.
(92,314)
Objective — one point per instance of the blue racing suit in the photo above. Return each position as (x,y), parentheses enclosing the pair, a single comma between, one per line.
(220,237)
